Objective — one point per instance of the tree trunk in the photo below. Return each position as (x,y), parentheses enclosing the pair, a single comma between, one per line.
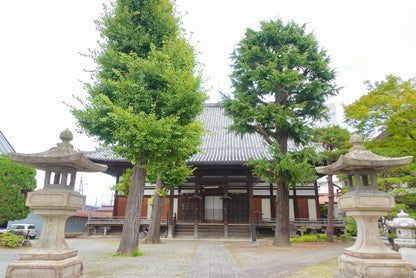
(330,217)
(170,215)
(153,236)
(130,236)
(282,230)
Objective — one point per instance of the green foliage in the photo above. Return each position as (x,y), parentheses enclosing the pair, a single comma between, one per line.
(323,210)
(123,185)
(334,139)
(291,168)
(146,93)
(172,173)
(308,238)
(406,196)
(11,240)
(281,78)
(348,237)
(388,108)
(15,181)
(136,253)
(351,226)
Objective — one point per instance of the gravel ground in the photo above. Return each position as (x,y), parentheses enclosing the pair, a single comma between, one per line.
(169,259)
(173,257)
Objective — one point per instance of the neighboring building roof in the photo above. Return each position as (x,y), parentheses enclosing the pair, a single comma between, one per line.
(96,214)
(103,154)
(219,146)
(5,146)
(104,209)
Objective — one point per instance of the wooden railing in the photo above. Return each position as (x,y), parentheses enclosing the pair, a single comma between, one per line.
(119,220)
(301,221)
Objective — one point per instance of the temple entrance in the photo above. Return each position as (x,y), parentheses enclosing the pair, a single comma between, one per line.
(238,208)
(187,208)
(213,209)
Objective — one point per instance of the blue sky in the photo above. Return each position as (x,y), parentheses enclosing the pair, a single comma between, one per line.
(40,65)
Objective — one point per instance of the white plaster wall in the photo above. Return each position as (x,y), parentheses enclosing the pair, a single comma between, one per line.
(188,191)
(303,192)
(291,209)
(149,211)
(175,206)
(312,209)
(265,208)
(237,191)
(261,192)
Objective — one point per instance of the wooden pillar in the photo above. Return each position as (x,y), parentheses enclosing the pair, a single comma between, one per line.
(196,198)
(272,208)
(250,200)
(170,215)
(225,206)
(318,212)
(295,203)
(115,205)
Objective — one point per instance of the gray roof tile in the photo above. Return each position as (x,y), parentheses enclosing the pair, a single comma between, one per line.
(219,145)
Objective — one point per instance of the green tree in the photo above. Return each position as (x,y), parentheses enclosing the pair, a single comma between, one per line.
(388,110)
(165,177)
(281,78)
(15,181)
(334,140)
(145,96)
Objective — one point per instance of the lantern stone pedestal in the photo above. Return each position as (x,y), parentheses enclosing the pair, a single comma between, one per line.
(51,257)
(368,257)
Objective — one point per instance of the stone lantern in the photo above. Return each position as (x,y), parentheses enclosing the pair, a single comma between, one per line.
(368,257)
(51,256)
(405,230)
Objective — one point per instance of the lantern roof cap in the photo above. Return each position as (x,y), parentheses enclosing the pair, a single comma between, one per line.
(61,155)
(358,158)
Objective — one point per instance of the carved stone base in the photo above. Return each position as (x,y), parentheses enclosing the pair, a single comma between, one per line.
(66,268)
(352,267)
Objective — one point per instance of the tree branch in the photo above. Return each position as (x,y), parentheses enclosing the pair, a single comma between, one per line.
(263,132)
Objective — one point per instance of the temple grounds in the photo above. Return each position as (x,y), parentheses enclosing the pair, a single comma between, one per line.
(199,258)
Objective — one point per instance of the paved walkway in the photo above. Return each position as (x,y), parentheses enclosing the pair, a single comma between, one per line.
(212,259)
(283,266)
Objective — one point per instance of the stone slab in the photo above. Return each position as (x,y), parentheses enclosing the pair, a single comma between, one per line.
(352,267)
(67,268)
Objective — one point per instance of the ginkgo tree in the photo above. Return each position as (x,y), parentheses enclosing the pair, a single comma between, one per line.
(145,96)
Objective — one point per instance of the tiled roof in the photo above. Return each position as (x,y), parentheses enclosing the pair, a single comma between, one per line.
(103,154)
(5,146)
(219,145)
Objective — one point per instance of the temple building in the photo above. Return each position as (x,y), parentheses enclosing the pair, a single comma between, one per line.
(223,191)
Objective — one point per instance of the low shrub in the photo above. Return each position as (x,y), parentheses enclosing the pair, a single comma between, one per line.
(136,253)
(11,240)
(308,238)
